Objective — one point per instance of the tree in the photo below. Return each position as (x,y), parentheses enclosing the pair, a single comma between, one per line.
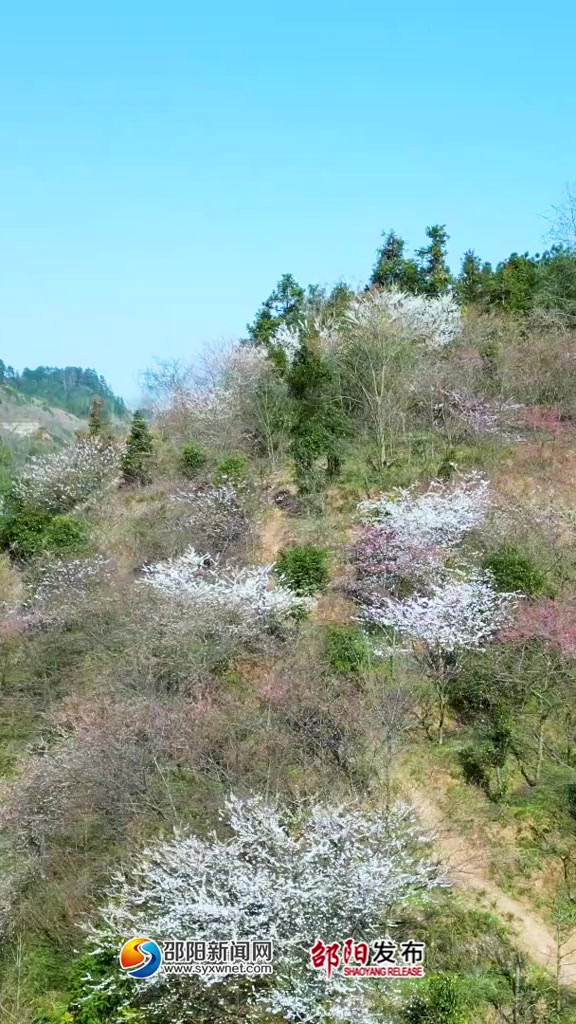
(474,281)
(95,424)
(318,420)
(435,272)
(564,220)
(392,269)
(515,282)
(293,878)
(138,453)
(283,308)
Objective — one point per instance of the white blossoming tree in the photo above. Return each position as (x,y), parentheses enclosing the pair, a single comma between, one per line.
(63,480)
(442,515)
(436,321)
(334,873)
(248,596)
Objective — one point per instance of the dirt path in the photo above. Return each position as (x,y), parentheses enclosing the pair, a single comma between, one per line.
(467,868)
(273,534)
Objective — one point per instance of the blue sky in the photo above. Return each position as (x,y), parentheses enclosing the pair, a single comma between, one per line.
(162,164)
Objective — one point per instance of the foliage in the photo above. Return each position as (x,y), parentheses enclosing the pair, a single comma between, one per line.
(192,459)
(27,531)
(443,1001)
(279,875)
(303,568)
(511,569)
(345,649)
(232,469)
(138,452)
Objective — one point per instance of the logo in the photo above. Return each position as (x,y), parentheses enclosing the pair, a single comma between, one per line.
(140,958)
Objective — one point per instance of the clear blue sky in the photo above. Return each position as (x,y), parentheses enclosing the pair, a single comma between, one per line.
(162,164)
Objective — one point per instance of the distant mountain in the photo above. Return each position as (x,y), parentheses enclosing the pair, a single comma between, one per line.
(71,388)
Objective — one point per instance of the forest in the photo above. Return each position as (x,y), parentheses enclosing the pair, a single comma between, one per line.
(292,659)
(70,388)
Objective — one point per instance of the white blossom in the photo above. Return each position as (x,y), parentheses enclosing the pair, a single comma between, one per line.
(62,480)
(457,614)
(248,592)
(67,580)
(435,321)
(340,871)
(440,516)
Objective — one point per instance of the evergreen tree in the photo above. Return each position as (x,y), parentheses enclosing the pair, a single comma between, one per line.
(95,424)
(138,453)
(318,421)
(283,307)
(392,269)
(470,281)
(515,283)
(435,272)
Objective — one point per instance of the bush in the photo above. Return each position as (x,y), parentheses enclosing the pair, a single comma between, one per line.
(345,649)
(66,534)
(442,1001)
(192,459)
(232,469)
(27,531)
(303,568)
(514,571)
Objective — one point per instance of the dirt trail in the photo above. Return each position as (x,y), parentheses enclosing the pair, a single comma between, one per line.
(467,868)
(273,534)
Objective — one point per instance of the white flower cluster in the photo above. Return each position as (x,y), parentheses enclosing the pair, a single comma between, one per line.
(458,609)
(436,322)
(440,516)
(277,877)
(62,480)
(62,580)
(246,592)
(458,614)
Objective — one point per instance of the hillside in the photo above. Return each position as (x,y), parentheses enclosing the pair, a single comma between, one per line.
(71,388)
(297,663)
(32,419)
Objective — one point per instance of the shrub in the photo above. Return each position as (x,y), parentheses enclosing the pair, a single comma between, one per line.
(514,571)
(192,459)
(27,531)
(442,1001)
(232,469)
(303,568)
(345,649)
(66,534)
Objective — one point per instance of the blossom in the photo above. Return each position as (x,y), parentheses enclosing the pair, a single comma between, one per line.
(440,516)
(63,581)
(544,619)
(457,614)
(248,592)
(382,557)
(62,480)
(435,321)
(278,876)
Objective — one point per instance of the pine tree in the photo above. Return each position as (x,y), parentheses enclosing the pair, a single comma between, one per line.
(436,276)
(318,422)
(95,424)
(392,269)
(139,447)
